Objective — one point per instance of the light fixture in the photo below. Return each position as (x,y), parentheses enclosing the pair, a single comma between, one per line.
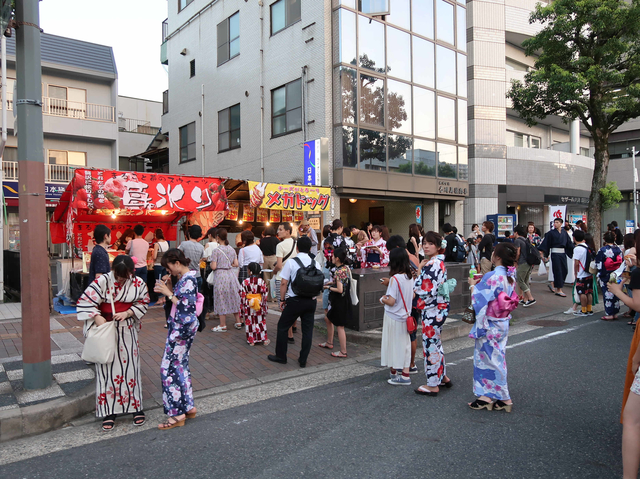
(183,52)
(113,215)
(240,222)
(164,212)
(268,224)
(352,200)
(291,224)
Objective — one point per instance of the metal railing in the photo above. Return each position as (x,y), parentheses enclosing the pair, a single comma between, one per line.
(165,29)
(165,102)
(76,109)
(137,126)
(52,173)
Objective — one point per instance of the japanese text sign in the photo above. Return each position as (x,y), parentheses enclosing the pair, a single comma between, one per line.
(289,197)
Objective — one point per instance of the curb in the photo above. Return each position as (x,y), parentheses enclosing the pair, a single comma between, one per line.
(46,416)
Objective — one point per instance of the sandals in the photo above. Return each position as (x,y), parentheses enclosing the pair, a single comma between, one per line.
(551,288)
(500,405)
(425,392)
(339,354)
(139,418)
(561,295)
(480,404)
(171,422)
(447,385)
(238,325)
(109,423)
(608,318)
(191,414)
(326,345)
(219,329)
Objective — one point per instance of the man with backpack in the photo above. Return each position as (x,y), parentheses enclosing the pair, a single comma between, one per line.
(525,266)
(301,281)
(584,279)
(452,251)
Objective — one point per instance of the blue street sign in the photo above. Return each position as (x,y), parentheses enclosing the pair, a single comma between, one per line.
(312,163)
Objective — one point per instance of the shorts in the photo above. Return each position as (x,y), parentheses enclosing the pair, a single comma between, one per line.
(325,299)
(584,285)
(635,387)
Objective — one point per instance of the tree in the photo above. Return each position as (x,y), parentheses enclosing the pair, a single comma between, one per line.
(611,196)
(587,68)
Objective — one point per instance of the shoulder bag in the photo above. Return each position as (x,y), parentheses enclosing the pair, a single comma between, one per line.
(101,343)
(353,289)
(412,325)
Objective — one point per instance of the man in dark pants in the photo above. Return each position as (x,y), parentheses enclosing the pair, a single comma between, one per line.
(557,245)
(294,307)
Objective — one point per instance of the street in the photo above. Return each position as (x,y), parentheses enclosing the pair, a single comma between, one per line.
(566,383)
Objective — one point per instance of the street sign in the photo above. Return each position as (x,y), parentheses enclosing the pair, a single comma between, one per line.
(419,214)
(312,163)
(629,226)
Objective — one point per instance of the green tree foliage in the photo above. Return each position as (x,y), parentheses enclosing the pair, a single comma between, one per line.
(587,67)
(611,196)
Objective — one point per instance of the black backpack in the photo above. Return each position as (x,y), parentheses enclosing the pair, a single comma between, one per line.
(533,257)
(309,280)
(461,253)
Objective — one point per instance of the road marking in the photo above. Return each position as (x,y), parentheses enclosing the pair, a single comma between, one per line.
(532,340)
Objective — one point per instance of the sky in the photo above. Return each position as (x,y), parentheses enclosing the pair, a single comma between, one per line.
(132,27)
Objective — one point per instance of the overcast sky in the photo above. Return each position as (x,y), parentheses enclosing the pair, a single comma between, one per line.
(132,27)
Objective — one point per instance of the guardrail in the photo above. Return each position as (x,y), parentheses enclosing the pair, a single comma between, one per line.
(52,173)
(76,109)
(137,126)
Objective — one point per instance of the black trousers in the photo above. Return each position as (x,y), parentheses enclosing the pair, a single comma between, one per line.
(559,268)
(305,309)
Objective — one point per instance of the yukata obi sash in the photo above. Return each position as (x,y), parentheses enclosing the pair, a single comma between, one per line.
(498,309)
(106,312)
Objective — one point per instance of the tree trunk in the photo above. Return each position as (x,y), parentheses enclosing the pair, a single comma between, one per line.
(594,211)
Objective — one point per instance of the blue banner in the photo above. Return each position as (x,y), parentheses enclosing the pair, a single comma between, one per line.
(52,191)
(312,163)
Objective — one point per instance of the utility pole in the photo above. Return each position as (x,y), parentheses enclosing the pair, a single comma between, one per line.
(635,198)
(34,258)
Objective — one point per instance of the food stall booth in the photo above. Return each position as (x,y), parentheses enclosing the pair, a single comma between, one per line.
(121,200)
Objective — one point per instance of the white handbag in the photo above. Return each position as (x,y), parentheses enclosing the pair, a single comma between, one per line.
(353,289)
(101,342)
(211,278)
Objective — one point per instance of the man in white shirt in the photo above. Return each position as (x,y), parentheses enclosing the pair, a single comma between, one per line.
(306,229)
(584,279)
(285,250)
(294,307)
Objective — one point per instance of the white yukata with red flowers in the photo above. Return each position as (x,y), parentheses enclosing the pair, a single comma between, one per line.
(118,384)
(434,309)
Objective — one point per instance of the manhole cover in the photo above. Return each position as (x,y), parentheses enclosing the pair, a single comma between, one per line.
(547,323)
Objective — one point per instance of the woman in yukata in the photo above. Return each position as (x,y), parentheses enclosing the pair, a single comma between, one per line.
(374,253)
(118,384)
(434,308)
(608,260)
(493,298)
(177,393)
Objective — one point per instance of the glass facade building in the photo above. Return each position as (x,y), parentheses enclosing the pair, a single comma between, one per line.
(401,88)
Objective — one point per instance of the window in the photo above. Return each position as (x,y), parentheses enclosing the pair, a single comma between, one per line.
(286,108)
(511,64)
(132,164)
(444,21)
(283,14)
(585,152)
(165,102)
(192,68)
(374,7)
(229,128)
(229,38)
(63,101)
(72,158)
(182,4)
(522,140)
(188,142)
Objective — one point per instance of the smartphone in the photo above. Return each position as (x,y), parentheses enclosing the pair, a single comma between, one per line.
(382,280)
(412,266)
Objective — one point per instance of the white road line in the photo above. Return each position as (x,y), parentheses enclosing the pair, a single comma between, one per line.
(532,340)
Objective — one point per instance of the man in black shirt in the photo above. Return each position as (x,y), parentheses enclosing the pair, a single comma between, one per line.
(452,244)
(99,264)
(485,248)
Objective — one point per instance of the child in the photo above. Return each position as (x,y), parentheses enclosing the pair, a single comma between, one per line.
(584,279)
(396,344)
(253,307)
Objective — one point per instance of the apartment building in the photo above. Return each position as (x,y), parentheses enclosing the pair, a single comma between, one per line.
(138,124)
(513,168)
(384,82)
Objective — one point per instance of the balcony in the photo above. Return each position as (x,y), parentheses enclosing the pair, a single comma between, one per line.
(163,48)
(52,173)
(72,109)
(137,126)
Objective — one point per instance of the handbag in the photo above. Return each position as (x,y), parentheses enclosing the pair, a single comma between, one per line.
(353,289)
(412,324)
(469,315)
(211,278)
(101,342)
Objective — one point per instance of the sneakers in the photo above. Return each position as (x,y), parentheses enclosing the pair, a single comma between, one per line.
(522,301)
(413,370)
(580,313)
(526,304)
(589,313)
(570,311)
(399,380)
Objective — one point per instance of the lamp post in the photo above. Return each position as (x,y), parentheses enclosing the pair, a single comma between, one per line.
(635,198)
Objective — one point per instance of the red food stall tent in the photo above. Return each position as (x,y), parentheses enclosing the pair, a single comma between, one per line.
(123,199)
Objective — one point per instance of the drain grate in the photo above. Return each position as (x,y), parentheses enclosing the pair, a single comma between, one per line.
(547,323)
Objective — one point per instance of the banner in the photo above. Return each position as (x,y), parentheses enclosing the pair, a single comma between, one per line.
(248,213)
(262,216)
(274,216)
(287,216)
(289,197)
(232,214)
(111,190)
(559,211)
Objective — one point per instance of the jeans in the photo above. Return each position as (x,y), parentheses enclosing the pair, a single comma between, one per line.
(303,308)
(142,273)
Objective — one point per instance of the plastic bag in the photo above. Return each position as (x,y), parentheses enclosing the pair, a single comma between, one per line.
(542,269)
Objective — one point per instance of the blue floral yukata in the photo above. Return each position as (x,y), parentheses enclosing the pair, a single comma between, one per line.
(434,310)
(177,393)
(493,299)
(608,259)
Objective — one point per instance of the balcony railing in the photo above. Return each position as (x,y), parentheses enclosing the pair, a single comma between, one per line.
(137,126)
(165,29)
(52,173)
(71,109)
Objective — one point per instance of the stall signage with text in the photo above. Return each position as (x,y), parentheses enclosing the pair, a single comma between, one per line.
(445,188)
(312,161)
(52,191)
(108,189)
(289,197)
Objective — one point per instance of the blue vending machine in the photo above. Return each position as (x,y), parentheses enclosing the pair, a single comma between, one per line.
(502,223)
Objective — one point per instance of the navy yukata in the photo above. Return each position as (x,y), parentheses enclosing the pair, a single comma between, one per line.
(557,240)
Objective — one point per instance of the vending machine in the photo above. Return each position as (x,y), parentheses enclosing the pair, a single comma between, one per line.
(502,223)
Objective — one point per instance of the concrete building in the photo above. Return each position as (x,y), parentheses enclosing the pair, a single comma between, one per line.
(250,82)
(513,168)
(138,123)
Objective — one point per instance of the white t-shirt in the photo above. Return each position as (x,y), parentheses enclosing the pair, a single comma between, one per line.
(250,254)
(209,249)
(580,255)
(291,268)
(282,249)
(397,312)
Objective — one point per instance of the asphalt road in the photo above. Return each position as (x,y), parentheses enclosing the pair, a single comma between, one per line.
(567,390)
